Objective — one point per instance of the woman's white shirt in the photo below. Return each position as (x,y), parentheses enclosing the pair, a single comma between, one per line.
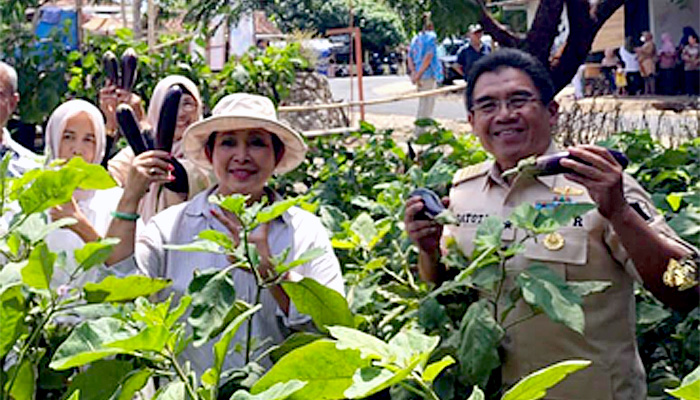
(629,59)
(296,229)
(97,209)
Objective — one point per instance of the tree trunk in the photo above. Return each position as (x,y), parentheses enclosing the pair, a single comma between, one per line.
(136,13)
(585,20)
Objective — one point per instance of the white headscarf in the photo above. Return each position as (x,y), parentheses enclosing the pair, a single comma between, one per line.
(57,124)
(158,98)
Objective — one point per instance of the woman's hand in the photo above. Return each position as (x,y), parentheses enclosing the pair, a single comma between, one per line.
(257,237)
(149,167)
(83,227)
(110,97)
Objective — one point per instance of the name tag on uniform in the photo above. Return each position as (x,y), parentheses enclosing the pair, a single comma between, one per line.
(474,218)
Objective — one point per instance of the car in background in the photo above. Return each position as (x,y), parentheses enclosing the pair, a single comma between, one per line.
(447,54)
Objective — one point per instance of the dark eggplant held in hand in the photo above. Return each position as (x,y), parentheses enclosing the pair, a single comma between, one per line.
(130,64)
(168,118)
(111,68)
(130,129)
(550,164)
(433,207)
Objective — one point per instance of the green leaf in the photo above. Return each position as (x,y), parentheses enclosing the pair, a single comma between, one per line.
(433,370)
(213,375)
(115,289)
(479,337)
(132,383)
(173,391)
(25,385)
(324,305)
(488,234)
(152,338)
(49,189)
(74,396)
(363,227)
(175,314)
(100,380)
(213,296)
(234,203)
(327,370)
(278,391)
(305,257)
(544,289)
(370,380)
(12,309)
(477,394)
(565,213)
(535,385)
(296,340)
(276,209)
(95,253)
(198,246)
(94,176)
(368,345)
(689,388)
(584,288)
(34,228)
(432,314)
(85,343)
(217,237)
(650,314)
(39,269)
(410,344)
(674,200)
(11,275)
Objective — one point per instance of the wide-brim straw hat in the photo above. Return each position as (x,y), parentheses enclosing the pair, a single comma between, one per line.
(241,111)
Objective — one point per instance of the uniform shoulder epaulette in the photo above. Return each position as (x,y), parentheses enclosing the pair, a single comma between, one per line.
(470,172)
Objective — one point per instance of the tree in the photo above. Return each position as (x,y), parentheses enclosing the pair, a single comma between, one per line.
(585,20)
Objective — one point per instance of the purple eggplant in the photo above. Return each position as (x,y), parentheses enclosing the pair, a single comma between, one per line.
(130,64)
(168,118)
(180,184)
(432,204)
(130,128)
(111,68)
(550,164)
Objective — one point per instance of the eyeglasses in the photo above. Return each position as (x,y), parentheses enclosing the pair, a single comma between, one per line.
(513,103)
(188,106)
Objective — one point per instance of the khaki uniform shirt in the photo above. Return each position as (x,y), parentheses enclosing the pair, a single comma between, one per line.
(591,251)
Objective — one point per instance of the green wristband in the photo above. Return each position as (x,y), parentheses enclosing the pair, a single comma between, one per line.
(125,216)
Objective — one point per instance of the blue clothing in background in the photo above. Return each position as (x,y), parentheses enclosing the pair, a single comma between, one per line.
(422,44)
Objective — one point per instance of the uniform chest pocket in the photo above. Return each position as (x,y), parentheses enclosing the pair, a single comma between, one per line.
(567,246)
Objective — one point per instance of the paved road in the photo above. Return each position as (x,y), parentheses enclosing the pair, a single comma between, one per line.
(376,87)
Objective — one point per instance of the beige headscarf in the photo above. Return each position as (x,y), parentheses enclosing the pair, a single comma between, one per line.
(158,98)
(57,124)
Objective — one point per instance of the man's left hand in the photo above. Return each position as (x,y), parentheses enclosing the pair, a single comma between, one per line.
(602,177)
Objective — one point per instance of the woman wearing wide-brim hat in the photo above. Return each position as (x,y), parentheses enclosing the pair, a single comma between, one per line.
(245,144)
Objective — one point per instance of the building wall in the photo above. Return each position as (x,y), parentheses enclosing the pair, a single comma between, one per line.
(664,16)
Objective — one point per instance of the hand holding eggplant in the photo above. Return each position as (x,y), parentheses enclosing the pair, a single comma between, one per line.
(426,233)
(550,164)
(600,173)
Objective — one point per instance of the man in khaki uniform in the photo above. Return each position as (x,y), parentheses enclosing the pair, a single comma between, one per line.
(510,105)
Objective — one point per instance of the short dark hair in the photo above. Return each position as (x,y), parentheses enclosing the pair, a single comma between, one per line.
(277,145)
(511,58)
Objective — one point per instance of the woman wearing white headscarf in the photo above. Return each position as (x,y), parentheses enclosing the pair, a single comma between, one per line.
(158,197)
(77,129)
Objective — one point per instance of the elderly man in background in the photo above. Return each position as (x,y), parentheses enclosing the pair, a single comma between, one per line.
(22,158)
(472,51)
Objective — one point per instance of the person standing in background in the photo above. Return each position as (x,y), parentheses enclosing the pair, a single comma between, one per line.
(425,67)
(629,58)
(22,159)
(667,63)
(646,55)
(691,65)
(472,51)
(608,67)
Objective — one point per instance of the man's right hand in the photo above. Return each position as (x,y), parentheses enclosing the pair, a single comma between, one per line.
(424,233)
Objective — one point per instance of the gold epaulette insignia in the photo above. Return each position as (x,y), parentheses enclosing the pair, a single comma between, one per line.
(470,172)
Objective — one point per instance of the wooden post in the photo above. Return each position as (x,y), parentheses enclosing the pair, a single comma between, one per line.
(151,35)
(356,38)
(79,21)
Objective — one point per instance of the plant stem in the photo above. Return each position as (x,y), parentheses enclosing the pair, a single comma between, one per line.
(25,349)
(429,394)
(181,374)
(502,266)
(249,333)
(520,320)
